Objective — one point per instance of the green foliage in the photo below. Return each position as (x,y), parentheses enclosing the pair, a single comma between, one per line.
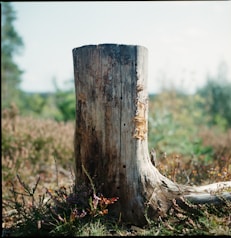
(217,99)
(33,104)
(11,43)
(65,102)
(174,121)
(59,105)
(38,105)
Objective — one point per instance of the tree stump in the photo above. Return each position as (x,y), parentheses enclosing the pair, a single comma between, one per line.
(111,141)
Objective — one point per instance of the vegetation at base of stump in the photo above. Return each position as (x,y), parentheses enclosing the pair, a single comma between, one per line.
(39,197)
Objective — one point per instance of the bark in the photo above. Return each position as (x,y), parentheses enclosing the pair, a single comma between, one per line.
(111,133)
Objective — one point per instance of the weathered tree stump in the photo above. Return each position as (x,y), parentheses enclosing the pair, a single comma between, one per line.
(111,141)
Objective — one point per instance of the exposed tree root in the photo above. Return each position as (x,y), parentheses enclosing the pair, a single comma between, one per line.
(167,193)
(215,193)
(207,198)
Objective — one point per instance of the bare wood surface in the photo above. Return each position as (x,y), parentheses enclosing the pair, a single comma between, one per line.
(111,134)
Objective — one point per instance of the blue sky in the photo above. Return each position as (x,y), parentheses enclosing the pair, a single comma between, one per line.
(186,40)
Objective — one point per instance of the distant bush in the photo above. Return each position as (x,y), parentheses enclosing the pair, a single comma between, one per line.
(217,102)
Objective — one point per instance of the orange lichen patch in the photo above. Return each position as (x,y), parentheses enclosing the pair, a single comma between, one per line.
(140,122)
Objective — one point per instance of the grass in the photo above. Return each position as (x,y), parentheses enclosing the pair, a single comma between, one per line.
(39,197)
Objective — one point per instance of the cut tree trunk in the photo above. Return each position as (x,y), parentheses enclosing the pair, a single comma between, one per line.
(111,141)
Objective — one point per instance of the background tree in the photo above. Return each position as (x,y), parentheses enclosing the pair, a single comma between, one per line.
(65,101)
(11,43)
(217,98)
(32,104)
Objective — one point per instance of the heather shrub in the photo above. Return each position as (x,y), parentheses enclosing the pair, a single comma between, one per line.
(38,155)
(35,147)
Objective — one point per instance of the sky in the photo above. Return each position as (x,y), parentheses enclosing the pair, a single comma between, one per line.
(186,40)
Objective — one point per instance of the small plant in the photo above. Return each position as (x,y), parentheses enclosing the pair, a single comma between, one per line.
(28,211)
(55,212)
(98,205)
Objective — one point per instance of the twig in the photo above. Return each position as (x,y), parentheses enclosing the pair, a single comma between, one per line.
(88,176)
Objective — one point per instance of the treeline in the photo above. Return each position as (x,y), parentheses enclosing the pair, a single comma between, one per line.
(213,101)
